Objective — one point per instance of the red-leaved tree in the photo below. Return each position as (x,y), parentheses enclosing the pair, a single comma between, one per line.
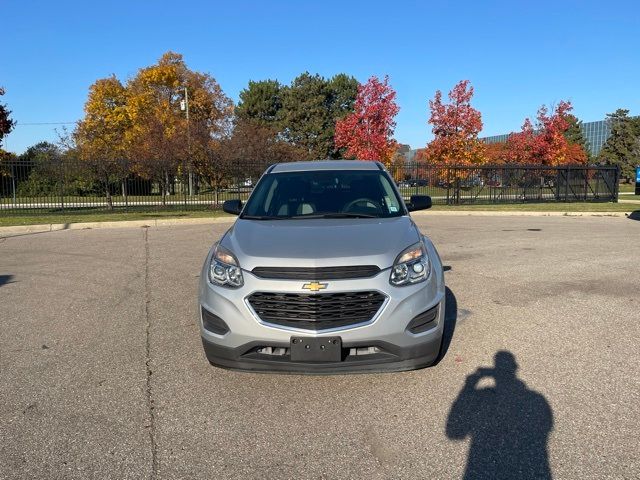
(367,133)
(545,143)
(456,126)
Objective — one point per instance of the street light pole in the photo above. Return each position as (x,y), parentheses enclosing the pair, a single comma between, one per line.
(186,101)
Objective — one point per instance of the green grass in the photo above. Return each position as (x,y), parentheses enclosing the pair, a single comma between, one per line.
(630,197)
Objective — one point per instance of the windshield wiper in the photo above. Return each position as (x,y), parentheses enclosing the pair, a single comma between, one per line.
(335,215)
(263,217)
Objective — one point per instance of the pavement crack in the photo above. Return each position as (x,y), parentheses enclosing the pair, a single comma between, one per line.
(148,390)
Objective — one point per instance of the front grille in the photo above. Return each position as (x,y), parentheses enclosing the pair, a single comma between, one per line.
(316,273)
(316,311)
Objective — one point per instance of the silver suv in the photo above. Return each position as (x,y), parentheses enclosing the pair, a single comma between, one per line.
(324,271)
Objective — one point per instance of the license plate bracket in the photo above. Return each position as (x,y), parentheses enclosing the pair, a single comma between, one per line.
(316,349)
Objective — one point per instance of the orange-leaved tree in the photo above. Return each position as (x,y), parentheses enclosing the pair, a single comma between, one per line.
(456,126)
(496,153)
(367,133)
(545,143)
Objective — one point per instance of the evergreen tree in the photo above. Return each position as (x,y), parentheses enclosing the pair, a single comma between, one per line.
(303,113)
(574,134)
(261,102)
(622,148)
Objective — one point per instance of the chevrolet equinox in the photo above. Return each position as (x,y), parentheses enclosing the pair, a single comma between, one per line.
(324,271)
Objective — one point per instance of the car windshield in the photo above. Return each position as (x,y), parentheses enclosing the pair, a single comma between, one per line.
(324,194)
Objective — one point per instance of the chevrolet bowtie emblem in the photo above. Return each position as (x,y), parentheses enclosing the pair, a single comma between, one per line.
(314,286)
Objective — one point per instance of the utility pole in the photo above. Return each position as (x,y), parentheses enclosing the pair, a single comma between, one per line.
(185,107)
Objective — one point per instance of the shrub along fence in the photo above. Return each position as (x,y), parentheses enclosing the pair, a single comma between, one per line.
(67,185)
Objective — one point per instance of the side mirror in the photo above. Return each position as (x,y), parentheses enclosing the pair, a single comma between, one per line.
(234,207)
(419,202)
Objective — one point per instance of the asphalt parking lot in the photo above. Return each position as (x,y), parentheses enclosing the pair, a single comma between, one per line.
(102,373)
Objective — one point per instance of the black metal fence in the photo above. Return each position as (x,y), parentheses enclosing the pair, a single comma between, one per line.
(67,185)
(487,184)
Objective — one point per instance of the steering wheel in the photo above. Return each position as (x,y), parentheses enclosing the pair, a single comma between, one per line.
(365,200)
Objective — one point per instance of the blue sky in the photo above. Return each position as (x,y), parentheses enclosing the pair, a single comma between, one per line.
(517,55)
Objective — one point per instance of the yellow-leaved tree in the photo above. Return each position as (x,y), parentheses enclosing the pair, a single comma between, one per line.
(100,137)
(166,140)
(163,123)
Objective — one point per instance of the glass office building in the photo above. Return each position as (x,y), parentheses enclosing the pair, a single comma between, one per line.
(596,133)
(496,138)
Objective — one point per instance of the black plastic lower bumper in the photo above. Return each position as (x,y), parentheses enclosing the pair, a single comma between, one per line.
(390,358)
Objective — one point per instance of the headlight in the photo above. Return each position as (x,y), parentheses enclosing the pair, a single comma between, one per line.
(224,268)
(411,266)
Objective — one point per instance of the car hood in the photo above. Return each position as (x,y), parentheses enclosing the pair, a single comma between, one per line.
(320,242)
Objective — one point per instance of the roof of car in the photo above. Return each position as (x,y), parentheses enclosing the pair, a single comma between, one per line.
(325,165)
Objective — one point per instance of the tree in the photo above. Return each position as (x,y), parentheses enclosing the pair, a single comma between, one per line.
(343,91)
(496,153)
(551,145)
(100,137)
(6,160)
(310,107)
(367,133)
(576,155)
(456,126)
(252,147)
(520,147)
(546,142)
(622,148)
(261,102)
(303,113)
(142,127)
(164,143)
(6,124)
(43,170)
(397,166)
(574,134)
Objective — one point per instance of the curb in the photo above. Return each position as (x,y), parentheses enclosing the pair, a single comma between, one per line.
(160,222)
(515,213)
(165,222)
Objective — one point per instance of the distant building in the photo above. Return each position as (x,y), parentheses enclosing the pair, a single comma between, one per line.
(596,134)
(410,155)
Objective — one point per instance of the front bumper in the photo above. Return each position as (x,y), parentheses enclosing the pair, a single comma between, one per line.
(244,358)
(386,341)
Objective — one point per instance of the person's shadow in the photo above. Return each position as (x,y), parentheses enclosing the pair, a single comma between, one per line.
(508,424)
(635,215)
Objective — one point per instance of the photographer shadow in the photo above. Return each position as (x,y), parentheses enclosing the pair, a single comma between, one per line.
(508,423)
